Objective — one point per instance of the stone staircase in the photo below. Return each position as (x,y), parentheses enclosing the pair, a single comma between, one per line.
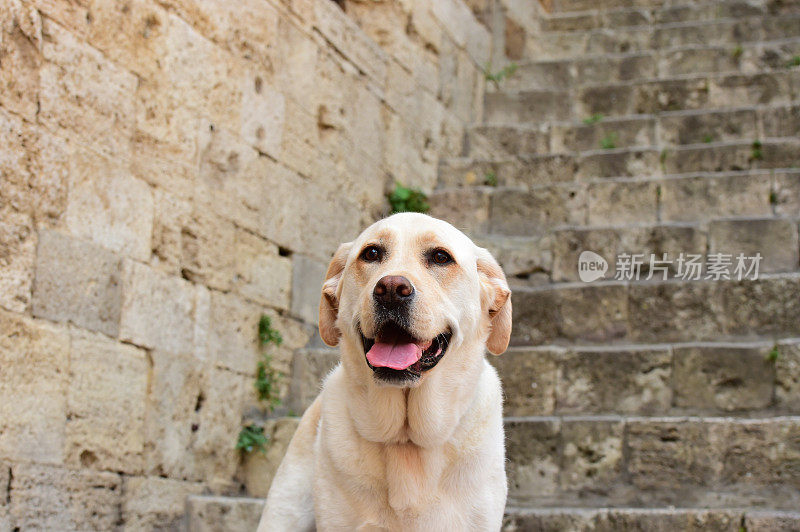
(644,404)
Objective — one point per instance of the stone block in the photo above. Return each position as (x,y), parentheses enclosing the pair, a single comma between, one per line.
(105,404)
(467,209)
(670,456)
(258,469)
(568,245)
(615,381)
(487,140)
(615,69)
(583,137)
(309,368)
(515,212)
(262,273)
(17,259)
(703,198)
(720,158)
(760,88)
(690,61)
(77,282)
(591,455)
(84,94)
(158,311)
(53,498)
(526,107)
(34,355)
(785,195)
(776,240)
(659,312)
(695,127)
(781,121)
(672,519)
(155,503)
(529,381)
(107,205)
(670,95)
(20,47)
(787,377)
(211,514)
(723,378)
(532,449)
(520,257)
(622,202)
(541,75)
(551,520)
(307,277)
(763,307)
(618,163)
(765,520)
(608,100)
(205,250)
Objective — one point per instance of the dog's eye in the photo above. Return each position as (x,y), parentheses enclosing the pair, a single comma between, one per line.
(371,254)
(441,257)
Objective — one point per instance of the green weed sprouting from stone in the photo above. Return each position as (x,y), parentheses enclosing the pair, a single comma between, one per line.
(737,52)
(609,142)
(490,179)
(500,75)
(756,154)
(252,438)
(708,139)
(404,199)
(773,197)
(793,62)
(595,118)
(774,353)
(267,378)
(663,159)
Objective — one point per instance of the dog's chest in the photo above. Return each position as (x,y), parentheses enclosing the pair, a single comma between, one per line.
(413,476)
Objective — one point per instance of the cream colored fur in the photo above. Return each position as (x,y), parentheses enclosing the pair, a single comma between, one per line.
(426,457)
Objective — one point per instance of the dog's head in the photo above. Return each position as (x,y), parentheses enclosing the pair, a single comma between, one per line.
(409,294)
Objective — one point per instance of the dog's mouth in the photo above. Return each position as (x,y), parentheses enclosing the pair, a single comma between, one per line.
(396,355)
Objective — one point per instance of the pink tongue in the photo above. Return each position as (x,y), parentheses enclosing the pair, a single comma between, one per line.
(393,356)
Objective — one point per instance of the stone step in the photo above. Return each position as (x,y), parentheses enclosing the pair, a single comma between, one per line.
(694,92)
(634,162)
(656,311)
(536,211)
(712,378)
(208,513)
(664,63)
(701,462)
(671,128)
(619,17)
(655,519)
(730,32)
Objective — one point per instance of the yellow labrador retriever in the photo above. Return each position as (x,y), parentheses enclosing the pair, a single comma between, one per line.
(407,432)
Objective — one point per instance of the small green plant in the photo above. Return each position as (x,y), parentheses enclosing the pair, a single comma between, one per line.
(737,52)
(595,118)
(501,74)
(609,142)
(404,199)
(267,378)
(793,62)
(756,154)
(252,438)
(490,179)
(774,354)
(663,159)
(708,139)
(773,198)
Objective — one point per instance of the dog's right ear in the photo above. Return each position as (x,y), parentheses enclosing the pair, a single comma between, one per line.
(329,301)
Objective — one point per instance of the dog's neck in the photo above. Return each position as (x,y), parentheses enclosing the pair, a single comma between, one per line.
(426,415)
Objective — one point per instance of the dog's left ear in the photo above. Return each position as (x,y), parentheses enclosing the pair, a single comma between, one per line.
(329,300)
(496,298)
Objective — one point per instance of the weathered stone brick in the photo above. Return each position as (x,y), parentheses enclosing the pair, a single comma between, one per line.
(309,369)
(591,455)
(615,381)
(529,381)
(618,163)
(307,277)
(207,514)
(615,69)
(781,121)
(515,212)
(767,306)
(760,88)
(726,378)
(77,282)
(583,137)
(17,259)
(34,356)
(785,195)
(532,449)
(764,520)
(20,47)
(261,272)
(568,245)
(528,106)
(703,198)
(157,310)
(108,206)
(670,95)
(687,61)
(105,404)
(605,100)
(622,202)
(671,519)
(155,503)
(520,257)
(258,468)
(518,521)
(776,241)
(84,94)
(465,208)
(694,127)
(787,376)
(52,498)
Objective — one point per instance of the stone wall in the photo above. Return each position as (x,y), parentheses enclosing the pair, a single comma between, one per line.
(170,170)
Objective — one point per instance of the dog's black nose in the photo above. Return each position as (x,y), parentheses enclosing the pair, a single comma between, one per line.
(393,290)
